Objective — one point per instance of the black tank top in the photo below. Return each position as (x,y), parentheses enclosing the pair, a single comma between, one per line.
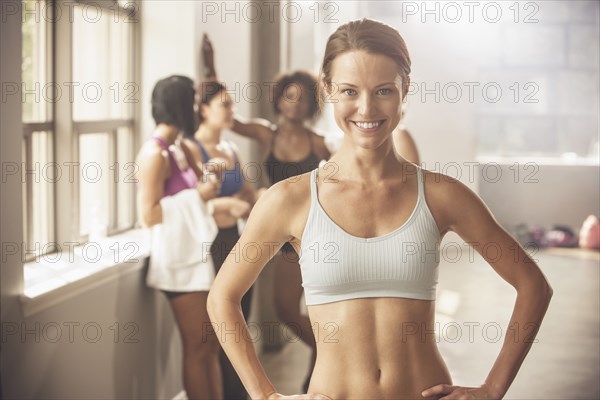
(279,170)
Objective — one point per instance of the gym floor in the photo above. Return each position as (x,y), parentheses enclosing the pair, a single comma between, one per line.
(562,364)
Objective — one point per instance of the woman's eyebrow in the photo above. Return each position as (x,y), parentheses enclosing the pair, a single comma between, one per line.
(381,84)
(387,83)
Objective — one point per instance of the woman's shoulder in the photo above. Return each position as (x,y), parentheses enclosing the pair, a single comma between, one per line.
(442,183)
(449,199)
(285,198)
(294,188)
(151,151)
(152,160)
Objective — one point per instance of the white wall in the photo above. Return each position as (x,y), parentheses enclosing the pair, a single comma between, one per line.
(168,48)
(230,34)
(542,195)
(117,340)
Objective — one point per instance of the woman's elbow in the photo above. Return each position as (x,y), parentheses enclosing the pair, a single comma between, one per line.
(543,289)
(536,287)
(548,291)
(211,304)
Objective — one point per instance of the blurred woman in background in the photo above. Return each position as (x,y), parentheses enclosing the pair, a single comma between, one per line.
(215,113)
(290,147)
(179,203)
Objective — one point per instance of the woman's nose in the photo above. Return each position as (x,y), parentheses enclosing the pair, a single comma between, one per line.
(365,105)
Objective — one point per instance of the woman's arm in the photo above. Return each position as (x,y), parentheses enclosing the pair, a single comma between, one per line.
(258,129)
(208,60)
(468,216)
(262,237)
(151,179)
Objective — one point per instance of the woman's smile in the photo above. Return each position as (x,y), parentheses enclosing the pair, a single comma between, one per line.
(368,126)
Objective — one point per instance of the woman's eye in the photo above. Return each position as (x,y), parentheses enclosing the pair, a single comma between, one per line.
(384,91)
(349,92)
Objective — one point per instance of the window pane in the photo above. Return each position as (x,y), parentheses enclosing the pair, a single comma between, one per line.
(25,197)
(38,190)
(37,93)
(102,66)
(43,189)
(126,180)
(95,187)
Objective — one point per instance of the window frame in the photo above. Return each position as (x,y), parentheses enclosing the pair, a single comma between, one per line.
(65,133)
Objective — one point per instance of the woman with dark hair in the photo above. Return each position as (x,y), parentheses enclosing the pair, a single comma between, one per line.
(371,300)
(215,113)
(171,185)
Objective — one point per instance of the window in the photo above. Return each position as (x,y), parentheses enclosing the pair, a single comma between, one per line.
(103,117)
(79,97)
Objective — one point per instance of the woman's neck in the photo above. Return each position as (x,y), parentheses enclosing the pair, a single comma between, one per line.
(290,126)
(168,133)
(208,134)
(357,163)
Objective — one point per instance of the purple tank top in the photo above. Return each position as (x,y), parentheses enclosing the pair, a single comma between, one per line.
(179,180)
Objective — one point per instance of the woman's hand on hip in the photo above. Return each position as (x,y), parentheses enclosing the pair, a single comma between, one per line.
(308,396)
(448,392)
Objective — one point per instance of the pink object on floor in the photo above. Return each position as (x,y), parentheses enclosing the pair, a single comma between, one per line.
(589,236)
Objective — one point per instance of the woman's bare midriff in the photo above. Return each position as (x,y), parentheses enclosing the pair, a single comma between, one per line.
(376,348)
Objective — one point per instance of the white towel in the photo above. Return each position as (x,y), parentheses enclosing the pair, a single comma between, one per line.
(180,259)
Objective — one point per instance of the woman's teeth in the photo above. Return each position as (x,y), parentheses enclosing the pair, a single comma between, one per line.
(368,125)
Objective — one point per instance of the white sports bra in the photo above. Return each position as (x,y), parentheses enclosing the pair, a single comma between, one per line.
(339,266)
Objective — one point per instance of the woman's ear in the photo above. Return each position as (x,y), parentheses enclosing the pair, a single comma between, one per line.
(203,111)
(405,87)
(329,91)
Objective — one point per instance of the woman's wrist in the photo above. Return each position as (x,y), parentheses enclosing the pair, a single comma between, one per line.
(272,395)
(495,390)
(262,396)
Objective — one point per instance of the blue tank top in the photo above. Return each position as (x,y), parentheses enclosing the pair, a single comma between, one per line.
(232,180)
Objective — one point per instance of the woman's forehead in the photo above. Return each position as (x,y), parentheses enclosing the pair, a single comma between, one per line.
(362,68)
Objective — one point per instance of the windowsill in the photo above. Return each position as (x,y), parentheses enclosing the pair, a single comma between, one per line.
(557,161)
(58,277)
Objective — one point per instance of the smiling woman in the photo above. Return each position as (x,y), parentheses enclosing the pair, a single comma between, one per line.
(368,226)
(367,109)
